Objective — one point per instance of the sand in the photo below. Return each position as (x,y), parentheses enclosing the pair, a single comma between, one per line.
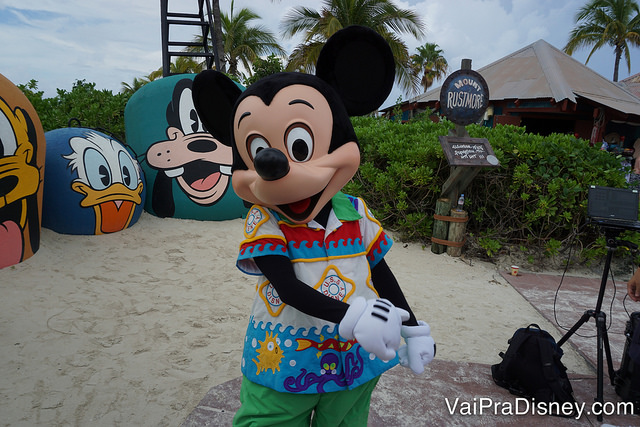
(133,328)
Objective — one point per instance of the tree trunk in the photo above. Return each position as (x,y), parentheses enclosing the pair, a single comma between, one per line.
(218,48)
(617,63)
(233,67)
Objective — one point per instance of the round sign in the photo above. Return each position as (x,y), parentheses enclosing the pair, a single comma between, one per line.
(464,97)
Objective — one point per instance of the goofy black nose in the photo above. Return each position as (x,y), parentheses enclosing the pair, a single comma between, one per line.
(271,164)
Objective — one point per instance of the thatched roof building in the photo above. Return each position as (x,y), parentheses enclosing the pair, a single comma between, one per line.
(547,91)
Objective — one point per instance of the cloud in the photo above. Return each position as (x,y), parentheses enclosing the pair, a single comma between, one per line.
(59,42)
(108,42)
(487,30)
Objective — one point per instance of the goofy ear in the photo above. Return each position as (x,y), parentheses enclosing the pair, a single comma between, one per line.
(359,64)
(214,96)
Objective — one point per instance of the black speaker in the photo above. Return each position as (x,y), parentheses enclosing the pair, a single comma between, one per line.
(627,378)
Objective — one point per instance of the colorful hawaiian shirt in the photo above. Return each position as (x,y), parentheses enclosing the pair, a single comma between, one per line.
(285,349)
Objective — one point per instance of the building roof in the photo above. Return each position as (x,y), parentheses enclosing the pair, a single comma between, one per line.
(632,84)
(539,70)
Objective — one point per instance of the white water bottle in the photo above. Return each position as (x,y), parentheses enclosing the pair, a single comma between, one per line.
(460,203)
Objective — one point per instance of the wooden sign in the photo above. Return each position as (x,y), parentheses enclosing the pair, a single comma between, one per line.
(464,97)
(468,151)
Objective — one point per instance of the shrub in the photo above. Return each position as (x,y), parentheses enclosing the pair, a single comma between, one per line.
(537,196)
(401,172)
(98,109)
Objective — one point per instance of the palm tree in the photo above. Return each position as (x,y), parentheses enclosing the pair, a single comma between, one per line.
(135,85)
(381,15)
(243,43)
(430,63)
(180,65)
(186,65)
(615,23)
(217,32)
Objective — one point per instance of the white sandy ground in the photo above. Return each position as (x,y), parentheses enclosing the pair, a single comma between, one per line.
(134,328)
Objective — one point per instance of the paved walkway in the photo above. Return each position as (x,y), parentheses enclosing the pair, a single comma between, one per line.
(457,394)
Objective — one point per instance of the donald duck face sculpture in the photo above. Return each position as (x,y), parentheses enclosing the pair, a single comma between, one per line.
(108,178)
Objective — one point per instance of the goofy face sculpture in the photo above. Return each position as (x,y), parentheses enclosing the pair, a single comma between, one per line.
(294,145)
(199,163)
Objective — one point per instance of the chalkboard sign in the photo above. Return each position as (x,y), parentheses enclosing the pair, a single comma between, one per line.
(468,151)
(464,97)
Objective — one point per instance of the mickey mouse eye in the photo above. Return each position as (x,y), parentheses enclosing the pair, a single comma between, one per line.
(299,142)
(256,143)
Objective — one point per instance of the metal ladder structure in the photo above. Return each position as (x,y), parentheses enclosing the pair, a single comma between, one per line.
(182,19)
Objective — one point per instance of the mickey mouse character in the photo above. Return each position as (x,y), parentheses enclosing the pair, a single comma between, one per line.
(329,315)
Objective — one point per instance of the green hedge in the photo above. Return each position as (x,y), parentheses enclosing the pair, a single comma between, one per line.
(536,197)
(96,109)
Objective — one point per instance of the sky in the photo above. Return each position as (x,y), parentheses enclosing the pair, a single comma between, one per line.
(108,42)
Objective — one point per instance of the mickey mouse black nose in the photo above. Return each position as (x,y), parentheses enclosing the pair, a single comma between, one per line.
(271,164)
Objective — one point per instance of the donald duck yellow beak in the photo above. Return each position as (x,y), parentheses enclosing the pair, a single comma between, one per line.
(114,206)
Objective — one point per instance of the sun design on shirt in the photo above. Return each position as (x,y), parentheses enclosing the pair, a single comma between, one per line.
(269,354)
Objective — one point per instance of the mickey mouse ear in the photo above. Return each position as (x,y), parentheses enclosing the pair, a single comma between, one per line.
(357,62)
(214,96)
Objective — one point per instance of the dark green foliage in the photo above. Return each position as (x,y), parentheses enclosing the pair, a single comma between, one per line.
(263,68)
(537,197)
(97,109)
(401,172)
(542,182)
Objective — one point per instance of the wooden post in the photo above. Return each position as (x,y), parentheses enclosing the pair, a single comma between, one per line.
(441,228)
(465,155)
(457,232)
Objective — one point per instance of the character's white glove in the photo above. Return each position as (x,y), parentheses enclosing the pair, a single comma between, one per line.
(420,349)
(375,324)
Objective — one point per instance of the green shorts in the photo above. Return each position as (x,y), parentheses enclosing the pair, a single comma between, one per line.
(262,406)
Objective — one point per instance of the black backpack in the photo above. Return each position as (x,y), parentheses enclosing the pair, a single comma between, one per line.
(531,367)
(627,378)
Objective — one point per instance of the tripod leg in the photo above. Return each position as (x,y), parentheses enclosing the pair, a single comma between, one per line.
(601,326)
(607,350)
(585,317)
